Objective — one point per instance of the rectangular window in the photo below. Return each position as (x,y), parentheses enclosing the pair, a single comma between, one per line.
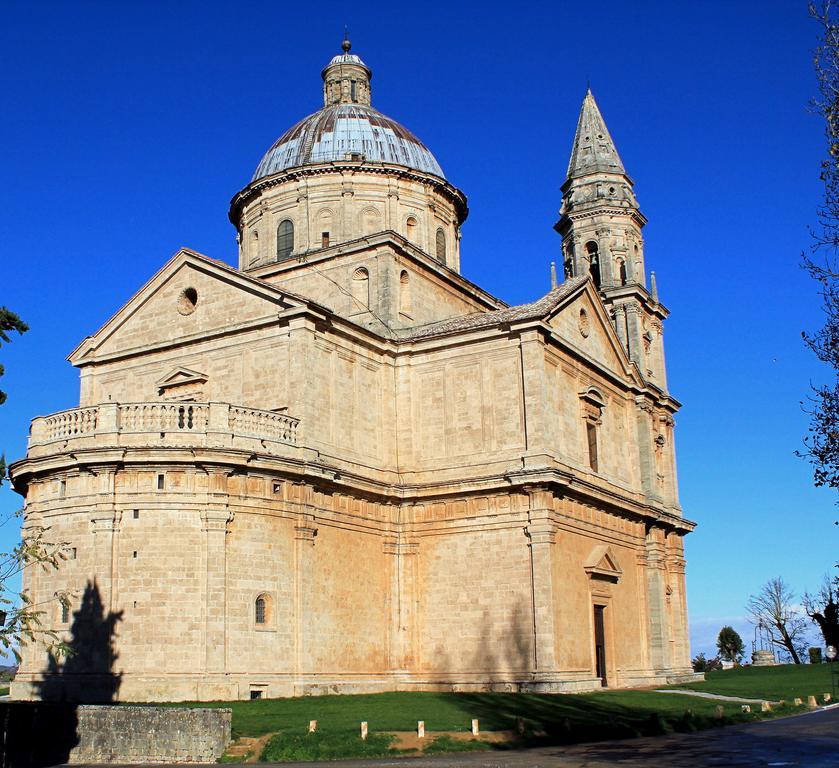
(62,488)
(255,694)
(324,239)
(353,92)
(135,553)
(72,553)
(160,482)
(591,437)
(65,612)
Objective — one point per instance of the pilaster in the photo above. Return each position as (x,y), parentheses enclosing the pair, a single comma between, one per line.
(659,624)
(402,647)
(541,539)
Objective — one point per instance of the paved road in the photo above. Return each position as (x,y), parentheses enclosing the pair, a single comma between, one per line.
(804,741)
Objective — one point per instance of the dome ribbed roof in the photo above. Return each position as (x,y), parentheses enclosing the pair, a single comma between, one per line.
(337,132)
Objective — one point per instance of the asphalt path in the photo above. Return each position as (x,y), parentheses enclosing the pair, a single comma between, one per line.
(810,740)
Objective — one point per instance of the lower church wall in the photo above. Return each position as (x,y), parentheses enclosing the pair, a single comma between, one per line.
(351,606)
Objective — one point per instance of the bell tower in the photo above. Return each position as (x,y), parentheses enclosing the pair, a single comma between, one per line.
(600,223)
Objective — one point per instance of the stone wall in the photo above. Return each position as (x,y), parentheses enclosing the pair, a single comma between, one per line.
(110,734)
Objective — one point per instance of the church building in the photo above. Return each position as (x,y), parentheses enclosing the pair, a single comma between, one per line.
(343,467)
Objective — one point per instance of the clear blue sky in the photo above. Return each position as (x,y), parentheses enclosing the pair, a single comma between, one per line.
(126,128)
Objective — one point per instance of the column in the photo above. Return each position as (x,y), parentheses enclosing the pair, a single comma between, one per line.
(658,347)
(541,534)
(646,449)
(659,631)
(533,384)
(619,318)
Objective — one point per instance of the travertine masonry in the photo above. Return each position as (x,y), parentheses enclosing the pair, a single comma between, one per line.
(347,468)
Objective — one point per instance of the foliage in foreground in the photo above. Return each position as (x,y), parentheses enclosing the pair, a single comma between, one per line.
(701,664)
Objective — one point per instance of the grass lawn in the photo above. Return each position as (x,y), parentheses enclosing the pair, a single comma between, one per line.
(4,690)
(557,718)
(786,681)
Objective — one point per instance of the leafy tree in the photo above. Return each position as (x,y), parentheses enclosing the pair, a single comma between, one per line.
(821,445)
(823,609)
(773,607)
(9,321)
(730,644)
(22,619)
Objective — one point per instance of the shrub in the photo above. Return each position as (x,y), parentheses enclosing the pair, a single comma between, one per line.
(815,655)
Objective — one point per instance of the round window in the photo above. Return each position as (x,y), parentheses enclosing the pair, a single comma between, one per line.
(187,301)
(584,323)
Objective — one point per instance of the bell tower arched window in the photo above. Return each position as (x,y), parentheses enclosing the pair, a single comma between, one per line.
(285,239)
(622,271)
(594,262)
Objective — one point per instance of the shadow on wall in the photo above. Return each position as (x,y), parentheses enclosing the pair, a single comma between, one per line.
(44,733)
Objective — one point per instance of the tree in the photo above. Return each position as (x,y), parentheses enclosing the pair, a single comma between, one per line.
(821,445)
(22,619)
(9,321)
(701,664)
(730,644)
(773,608)
(823,609)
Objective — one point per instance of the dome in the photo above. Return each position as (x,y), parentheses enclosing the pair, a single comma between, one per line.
(342,132)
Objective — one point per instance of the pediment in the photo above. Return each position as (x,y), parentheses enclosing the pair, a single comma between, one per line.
(180,377)
(581,321)
(191,297)
(602,563)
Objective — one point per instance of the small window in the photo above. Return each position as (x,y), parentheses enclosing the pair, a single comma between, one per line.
(65,611)
(256,694)
(161,482)
(254,246)
(135,554)
(591,436)
(360,289)
(261,610)
(353,91)
(72,553)
(62,488)
(324,239)
(285,239)
(622,271)
(136,514)
(440,244)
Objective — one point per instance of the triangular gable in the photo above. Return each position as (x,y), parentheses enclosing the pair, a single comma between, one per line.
(182,376)
(602,563)
(580,319)
(190,295)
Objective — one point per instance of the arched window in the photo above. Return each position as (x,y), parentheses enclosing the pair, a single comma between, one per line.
(592,412)
(594,262)
(404,294)
(260,610)
(360,289)
(285,239)
(65,611)
(622,271)
(411,229)
(440,244)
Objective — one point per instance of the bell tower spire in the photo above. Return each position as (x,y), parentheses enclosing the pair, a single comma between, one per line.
(600,223)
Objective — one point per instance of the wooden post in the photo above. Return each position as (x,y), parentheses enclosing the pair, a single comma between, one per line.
(313,726)
(475,729)
(364,730)
(420,729)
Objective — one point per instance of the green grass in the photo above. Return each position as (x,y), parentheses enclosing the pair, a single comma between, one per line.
(327,746)
(447,744)
(563,717)
(4,690)
(786,681)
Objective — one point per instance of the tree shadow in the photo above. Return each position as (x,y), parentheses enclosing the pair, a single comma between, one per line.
(44,732)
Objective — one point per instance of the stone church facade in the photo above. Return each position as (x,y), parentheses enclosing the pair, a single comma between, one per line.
(343,467)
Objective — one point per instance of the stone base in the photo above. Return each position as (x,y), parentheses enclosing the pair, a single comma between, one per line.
(150,688)
(763,659)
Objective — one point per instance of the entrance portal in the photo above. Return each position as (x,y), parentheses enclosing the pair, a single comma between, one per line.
(600,645)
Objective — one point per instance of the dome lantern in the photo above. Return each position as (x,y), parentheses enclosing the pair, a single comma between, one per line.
(346,79)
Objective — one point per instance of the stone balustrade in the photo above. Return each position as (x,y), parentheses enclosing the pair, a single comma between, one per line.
(162,423)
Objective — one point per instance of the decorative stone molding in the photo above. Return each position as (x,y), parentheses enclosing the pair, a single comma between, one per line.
(603,564)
